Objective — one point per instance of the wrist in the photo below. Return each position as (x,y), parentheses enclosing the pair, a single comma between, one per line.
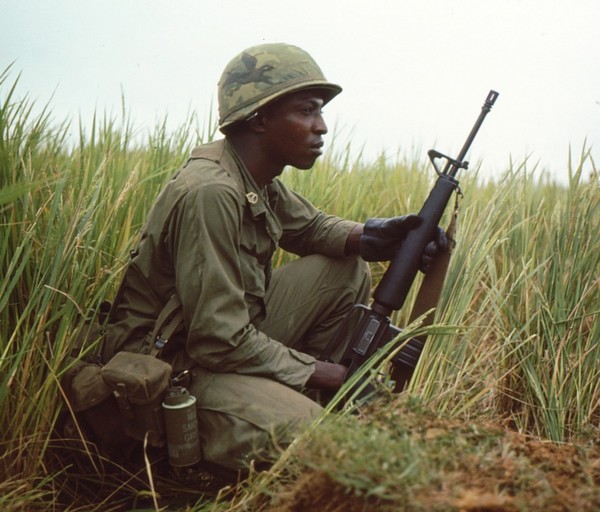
(353,240)
(327,376)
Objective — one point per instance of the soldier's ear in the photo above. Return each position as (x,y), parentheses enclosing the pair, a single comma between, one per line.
(256,122)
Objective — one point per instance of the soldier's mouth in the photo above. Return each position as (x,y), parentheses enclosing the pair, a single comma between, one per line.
(317,148)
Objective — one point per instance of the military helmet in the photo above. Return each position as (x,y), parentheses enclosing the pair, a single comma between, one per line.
(263,73)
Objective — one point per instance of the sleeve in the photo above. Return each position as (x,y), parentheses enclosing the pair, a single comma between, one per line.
(307,230)
(210,284)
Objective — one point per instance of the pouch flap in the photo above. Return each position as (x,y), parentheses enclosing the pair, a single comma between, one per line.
(87,388)
(144,377)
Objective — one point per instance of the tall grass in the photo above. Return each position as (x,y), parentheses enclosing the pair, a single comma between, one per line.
(68,217)
(524,289)
(517,328)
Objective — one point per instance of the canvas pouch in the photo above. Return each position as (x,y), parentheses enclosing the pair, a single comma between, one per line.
(126,393)
(139,383)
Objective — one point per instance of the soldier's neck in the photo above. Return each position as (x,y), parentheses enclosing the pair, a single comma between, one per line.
(258,162)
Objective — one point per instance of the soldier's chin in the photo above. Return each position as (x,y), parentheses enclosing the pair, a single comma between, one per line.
(308,162)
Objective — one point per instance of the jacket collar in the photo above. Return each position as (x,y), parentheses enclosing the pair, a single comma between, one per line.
(223,153)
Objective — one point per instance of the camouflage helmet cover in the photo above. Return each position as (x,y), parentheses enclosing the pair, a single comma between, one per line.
(263,73)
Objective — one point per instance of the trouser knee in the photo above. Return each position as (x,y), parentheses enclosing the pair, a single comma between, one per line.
(244,418)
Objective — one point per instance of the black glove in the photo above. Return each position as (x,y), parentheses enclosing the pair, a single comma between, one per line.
(382,237)
(438,244)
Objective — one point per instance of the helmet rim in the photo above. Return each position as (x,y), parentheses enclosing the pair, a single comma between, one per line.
(246,111)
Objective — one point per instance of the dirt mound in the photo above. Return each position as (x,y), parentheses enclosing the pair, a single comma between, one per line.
(450,465)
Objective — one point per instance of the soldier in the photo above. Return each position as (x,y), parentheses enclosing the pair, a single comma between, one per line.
(251,336)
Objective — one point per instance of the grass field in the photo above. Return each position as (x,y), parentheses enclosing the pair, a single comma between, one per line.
(502,414)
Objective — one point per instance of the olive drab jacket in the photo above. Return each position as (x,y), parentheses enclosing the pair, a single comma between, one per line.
(209,238)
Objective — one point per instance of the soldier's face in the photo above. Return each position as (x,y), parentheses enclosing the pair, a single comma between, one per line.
(294,128)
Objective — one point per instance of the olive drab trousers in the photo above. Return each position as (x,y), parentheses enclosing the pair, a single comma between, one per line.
(241,417)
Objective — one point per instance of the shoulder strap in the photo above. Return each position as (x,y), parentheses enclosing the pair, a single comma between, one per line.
(168,322)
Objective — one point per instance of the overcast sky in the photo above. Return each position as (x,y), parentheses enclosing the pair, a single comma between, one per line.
(415,72)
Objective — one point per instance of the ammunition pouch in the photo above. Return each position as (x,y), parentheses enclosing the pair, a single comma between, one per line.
(122,399)
(139,383)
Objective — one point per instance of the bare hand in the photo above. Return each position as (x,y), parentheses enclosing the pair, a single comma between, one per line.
(327,376)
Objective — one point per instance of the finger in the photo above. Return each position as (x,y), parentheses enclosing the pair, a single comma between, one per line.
(412,221)
(431,249)
(399,226)
(441,239)
(425,264)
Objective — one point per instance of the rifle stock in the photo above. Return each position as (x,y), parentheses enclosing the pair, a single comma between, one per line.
(373,324)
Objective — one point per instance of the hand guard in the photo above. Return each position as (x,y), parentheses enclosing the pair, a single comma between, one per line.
(381,237)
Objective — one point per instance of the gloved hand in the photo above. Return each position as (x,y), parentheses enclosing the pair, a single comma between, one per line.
(381,237)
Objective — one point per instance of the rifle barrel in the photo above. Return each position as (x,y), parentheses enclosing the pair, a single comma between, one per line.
(451,168)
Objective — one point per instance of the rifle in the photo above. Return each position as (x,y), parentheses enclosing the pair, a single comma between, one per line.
(373,325)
